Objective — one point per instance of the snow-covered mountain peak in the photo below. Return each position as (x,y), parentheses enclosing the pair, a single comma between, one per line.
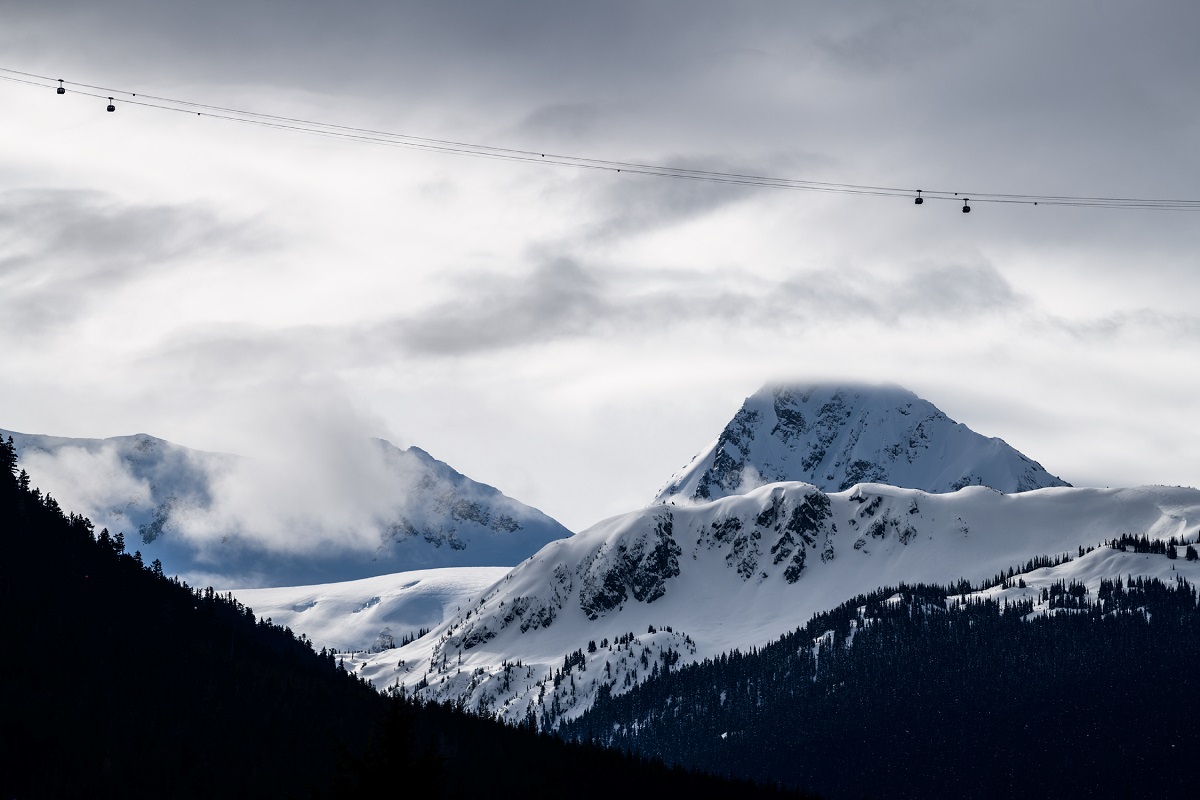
(837,435)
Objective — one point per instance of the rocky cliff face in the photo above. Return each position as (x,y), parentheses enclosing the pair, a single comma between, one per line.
(835,436)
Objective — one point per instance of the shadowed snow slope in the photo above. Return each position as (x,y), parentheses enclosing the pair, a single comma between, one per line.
(368,508)
(835,436)
(737,573)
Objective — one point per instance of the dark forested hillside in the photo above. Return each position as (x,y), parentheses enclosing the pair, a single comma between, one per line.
(121,682)
(904,698)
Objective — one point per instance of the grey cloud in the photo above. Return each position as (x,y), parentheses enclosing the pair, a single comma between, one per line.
(559,299)
(562,300)
(245,356)
(392,49)
(638,204)
(658,202)
(560,123)
(958,289)
(871,38)
(1109,327)
(63,250)
(948,293)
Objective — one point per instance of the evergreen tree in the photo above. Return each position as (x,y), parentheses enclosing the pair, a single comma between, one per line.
(8,455)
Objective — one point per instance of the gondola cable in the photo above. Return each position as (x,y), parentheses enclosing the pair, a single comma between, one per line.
(462,148)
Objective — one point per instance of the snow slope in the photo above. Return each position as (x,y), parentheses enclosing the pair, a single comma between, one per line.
(737,573)
(835,436)
(223,520)
(372,613)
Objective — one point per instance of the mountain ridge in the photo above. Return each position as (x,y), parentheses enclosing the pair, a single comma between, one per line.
(735,573)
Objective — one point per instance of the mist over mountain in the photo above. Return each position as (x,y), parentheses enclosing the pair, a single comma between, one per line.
(308,515)
(837,435)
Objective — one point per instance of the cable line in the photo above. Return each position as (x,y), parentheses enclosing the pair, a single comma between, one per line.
(476,150)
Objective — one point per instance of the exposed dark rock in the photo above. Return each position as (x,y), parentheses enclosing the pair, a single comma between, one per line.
(641,569)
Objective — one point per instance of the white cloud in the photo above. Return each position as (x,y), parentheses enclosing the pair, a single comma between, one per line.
(311,477)
(79,478)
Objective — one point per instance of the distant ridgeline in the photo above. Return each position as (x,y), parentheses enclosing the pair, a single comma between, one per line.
(923,691)
(120,682)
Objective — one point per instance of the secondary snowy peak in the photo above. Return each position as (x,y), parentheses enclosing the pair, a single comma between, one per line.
(448,510)
(228,520)
(836,436)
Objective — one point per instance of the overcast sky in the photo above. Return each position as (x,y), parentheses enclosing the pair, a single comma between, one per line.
(573,336)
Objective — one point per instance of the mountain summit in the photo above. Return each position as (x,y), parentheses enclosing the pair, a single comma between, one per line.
(835,436)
